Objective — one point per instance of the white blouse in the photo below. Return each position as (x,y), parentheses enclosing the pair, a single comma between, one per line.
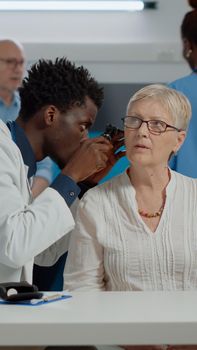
(112,248)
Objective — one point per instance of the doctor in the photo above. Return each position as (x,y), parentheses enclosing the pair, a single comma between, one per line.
(59,103)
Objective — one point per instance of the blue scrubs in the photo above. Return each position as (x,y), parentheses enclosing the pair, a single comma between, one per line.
(185,162)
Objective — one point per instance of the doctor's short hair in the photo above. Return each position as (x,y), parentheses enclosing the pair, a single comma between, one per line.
(175,103)
(60,83)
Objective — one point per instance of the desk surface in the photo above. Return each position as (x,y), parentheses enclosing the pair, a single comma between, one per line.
(104,318)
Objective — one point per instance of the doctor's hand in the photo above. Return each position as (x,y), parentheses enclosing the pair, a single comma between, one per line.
(92,157)
(112,160)
(117,141)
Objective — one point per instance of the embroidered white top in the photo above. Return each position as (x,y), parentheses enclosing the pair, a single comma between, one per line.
(112,249)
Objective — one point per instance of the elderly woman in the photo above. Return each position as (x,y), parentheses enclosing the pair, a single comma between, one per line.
(138,231)
(135,232)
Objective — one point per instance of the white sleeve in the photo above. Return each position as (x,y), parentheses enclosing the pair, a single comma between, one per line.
(27,227)
(50,256)
(84,270)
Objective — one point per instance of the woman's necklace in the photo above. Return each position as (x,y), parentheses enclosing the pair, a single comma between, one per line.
(155,214)
(151,215)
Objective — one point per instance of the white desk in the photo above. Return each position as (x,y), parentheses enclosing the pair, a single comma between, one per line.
(104,318)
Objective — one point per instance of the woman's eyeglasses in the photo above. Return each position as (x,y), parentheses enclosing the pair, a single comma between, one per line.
(154,126)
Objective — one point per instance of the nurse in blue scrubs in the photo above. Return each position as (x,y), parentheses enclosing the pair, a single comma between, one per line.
(185,161)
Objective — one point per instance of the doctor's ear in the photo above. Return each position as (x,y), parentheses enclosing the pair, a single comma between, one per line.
(50,114)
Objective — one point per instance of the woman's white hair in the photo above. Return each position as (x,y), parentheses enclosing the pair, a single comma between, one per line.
(175,103)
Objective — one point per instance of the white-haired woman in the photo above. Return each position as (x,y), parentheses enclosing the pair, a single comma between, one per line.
(135,232)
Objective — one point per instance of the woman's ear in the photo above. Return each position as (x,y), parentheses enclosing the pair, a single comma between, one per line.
(180,139)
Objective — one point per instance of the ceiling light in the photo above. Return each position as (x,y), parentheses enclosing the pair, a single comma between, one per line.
(91,5)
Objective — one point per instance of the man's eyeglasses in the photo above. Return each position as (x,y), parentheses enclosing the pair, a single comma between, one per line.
(154,126)
(12,62)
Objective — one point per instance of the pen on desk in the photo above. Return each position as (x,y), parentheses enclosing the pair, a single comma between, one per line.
(47,298)
(52,297)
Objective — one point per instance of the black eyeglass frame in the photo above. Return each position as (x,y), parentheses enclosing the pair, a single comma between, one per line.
(147,123)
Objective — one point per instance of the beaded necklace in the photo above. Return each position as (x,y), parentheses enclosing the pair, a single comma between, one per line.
(151,215)
(157,213)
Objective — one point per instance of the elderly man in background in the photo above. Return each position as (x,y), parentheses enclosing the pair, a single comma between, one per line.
(12,63)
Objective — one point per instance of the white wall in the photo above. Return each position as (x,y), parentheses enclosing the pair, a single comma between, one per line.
(116,47)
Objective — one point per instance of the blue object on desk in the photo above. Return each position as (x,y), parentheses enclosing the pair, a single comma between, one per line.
(47,298)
